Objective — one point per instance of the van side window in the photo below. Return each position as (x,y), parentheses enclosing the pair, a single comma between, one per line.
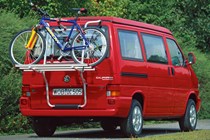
(155,50)
(129,45)
(176,55)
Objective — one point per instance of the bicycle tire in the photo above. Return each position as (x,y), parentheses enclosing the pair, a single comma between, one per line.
(19,54)
(96,52)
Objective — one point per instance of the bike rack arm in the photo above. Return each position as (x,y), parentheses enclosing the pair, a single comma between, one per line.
(47,90)
(91,22)
(60,67)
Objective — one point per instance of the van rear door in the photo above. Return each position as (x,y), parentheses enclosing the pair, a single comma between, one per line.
(60,87)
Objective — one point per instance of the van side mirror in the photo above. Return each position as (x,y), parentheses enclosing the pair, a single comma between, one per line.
(191,58)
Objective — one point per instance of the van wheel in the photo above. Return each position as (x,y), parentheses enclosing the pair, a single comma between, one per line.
(43,127)
(189,121)
(132,125)
(109,125)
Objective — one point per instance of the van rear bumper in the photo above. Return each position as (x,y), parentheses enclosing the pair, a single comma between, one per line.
(119,109)
(73,113)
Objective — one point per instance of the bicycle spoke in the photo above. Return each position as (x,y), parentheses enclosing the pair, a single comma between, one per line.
(19,42)
(23,39)
(96,50)
(27,38)
(20,54)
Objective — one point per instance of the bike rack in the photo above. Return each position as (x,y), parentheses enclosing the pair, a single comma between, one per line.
(42,68)
(47,67)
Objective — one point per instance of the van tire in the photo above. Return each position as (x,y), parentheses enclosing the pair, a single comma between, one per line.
(189,121)
(108,125)
(128,126)
(43,127)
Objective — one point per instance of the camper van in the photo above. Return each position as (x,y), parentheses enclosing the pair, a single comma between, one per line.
(145,76)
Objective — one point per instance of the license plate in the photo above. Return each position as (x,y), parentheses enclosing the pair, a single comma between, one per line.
(67,92)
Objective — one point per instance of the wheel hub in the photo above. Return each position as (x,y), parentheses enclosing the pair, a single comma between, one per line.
(193,115)
(137,119)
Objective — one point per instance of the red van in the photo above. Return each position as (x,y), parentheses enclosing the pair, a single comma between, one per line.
(145,76)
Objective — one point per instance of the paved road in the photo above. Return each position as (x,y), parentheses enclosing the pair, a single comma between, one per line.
(90,134)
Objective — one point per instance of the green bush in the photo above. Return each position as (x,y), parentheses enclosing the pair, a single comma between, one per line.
(10,79)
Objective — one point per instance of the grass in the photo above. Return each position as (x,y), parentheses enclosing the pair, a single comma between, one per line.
(194,135)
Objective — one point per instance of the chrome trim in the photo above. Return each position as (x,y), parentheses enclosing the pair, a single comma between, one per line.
(84,89)
(47,90)
(91,22)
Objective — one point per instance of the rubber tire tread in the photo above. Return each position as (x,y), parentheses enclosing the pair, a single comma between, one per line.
(184,122)
(126,124)
(43,127)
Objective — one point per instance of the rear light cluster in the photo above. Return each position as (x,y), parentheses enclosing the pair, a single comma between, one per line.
(112,93)
(23,101)
(26,91)
(111,101)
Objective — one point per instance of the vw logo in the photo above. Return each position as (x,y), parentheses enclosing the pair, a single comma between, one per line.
(66,78)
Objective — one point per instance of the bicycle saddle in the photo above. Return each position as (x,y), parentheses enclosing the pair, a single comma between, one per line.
(80,10)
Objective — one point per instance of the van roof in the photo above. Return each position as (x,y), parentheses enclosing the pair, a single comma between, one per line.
(120,21)
(127,22)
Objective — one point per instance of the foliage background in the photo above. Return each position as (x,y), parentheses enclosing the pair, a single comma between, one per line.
(187,19)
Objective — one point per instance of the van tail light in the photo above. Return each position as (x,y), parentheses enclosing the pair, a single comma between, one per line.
(111,101)
(23,102)
(112,93)
(26,91)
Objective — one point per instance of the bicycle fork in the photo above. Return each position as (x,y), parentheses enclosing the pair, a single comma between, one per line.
(33,38)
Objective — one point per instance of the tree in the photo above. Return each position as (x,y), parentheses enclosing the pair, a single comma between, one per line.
(196,14)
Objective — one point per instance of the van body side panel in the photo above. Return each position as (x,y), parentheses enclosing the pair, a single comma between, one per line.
(133,73)
(160,90)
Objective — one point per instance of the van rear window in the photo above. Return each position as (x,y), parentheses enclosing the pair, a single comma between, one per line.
(52,48)
(155,49)
(129,45)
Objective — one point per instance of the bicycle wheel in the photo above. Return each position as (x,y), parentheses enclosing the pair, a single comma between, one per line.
(95,52)
(20,54)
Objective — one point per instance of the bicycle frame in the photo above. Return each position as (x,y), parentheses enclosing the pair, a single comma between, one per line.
(59,44)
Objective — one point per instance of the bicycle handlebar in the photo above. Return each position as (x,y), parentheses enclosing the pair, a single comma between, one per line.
(39,10)
(80,10)
(44,13)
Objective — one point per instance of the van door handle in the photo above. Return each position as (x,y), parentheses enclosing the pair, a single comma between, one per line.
(169,71)
(172,71)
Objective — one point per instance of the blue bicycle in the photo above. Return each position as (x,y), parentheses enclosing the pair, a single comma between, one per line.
(88,46)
